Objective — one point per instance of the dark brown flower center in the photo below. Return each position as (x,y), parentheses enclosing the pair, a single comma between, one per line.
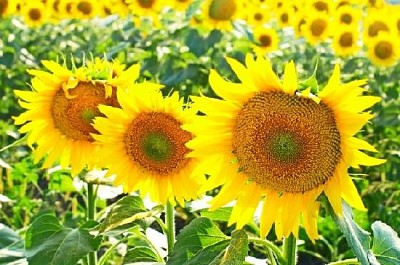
(73,116)
(157,143)
(383,50)
(285,142)
(318,27)
(346,40)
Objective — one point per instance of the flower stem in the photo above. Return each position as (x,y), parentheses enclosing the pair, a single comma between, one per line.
(289,250)
(345,262)
(91,212)
(170,223)
(269,245)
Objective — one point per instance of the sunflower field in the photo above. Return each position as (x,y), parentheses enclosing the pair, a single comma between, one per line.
(204,132)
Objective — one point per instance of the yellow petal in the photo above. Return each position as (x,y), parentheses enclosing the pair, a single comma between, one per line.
(290,79)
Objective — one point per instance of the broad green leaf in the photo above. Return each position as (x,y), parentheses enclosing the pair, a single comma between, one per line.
(358,239)
(237,251)
(221,214)
(125,211)
(196,236)
(386,244)
(141,254)
(207,255)
(48,242)
(11,247)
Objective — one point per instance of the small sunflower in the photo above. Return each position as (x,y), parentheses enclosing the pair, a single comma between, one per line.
(375,22)
(84,9)
(347,15)
(325,6)
(266,39)
(147,8)
(221,13)
(258,15)
(62,105)
(144,145)
(316,28)
(35,13)
(285,14)
(344,41)
(383,50)
(269,142)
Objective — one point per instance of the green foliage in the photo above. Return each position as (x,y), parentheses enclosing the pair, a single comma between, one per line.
(48,242)
(386,244)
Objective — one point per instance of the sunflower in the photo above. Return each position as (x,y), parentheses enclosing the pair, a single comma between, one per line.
(62,105)
(221,13)
(383,50)
(143,144)
(326,6)
(259,15)
(377,21)
(269,142)
(284,15)
(35,13)
(147,8)
(347,15)
(86,9)
(266,40)
(344,42)
(7,7)
(316,27)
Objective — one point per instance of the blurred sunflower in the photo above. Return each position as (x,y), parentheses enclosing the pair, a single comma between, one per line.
(221,13)
(147,8)
(7,7)
(347,15)
(84,9)
(267,40)
(267,141)
(284,15)
(316,27)
(258,15)
(326,6)
(144,145)
(344,41)
(383,50)
(35,13)
(61,106)
(377,21)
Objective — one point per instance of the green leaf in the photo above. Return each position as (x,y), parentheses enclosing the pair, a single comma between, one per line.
(125,211)
(141,254)
(198,235)
(221,214)
(386,244)
(358,239)
(11,247)
(48,242)
(207,255)
(236,252)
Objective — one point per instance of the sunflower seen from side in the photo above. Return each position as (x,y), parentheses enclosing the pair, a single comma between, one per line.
(61,106)
(267,142)
(143,144)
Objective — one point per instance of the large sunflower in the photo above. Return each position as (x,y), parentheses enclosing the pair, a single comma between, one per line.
(144,145)
(267,141)
(61,106)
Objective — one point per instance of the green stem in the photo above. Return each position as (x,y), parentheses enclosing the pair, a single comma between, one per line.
(170,223)
(91,212)
(269,245)
(345,262)
(289,250)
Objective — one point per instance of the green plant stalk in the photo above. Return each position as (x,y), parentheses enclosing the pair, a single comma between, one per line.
(269,245)
(170,224)
(91,213)
(289,250)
